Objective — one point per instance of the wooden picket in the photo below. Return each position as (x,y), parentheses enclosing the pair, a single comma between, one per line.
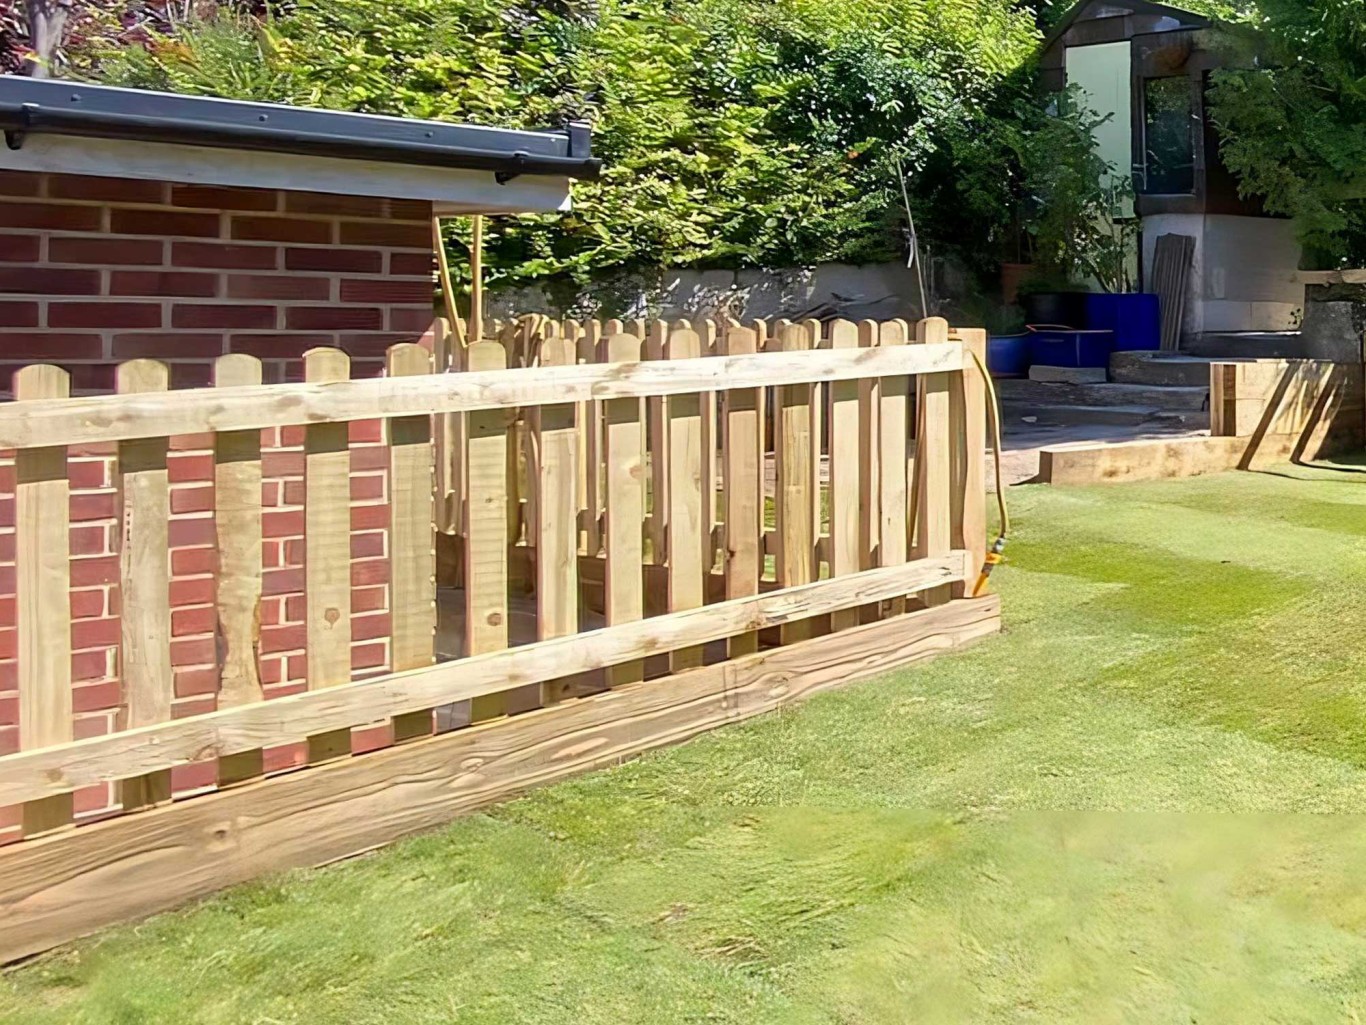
(585,480)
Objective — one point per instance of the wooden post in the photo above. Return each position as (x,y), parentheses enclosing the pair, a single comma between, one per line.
(624,595)
(933,513)
(476,278)
(707,341)
(968,424)
(656,431)
(144,581)
(556,515)
(43,585)
(893,427)
(412,540)
(590,346)
(796,524)
(327,549)
(688,494)
(870,483)
(743,465)
(486,531)
(846,477)
(237,527)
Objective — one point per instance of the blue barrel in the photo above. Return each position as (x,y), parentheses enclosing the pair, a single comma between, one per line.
(1064,347)
(1134,317)
(1008,355)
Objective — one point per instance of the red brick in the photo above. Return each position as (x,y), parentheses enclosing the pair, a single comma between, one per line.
(224,256)
(368,458)
(370,517)
(89,665)
(222,315)
(369,599)
(24,249)
(190,375)
(369,488)
(355,261)
(94,633)
(192,500)
(281,229)
(278,346)
(213,197)
(186,562)
(143,252)
(51,217)
(413,264)
(95,189)
(275,639)
(193,442)
(370,346)
(20,183)
(186,622)
(291,756)
(193,682)
(7,546)
(295,493)
(187,533)
(368,656)
(163,283)
(281,463)
(372,738)
(9,643)
(164,223)
(94,505)
(193,651)
(282,523)
(167,345)
(7,616)
(195,776)
(333,318)
(18,314)
(49,281)
(91,572)
(371,627)
(88,473)
(88,604)
(9,744)
(9,709)
(416,320)
(281,286)
(95,697)
(90,539)
(372,571)
(9,676)
(327,205)
(368,545)
(397,235)
(284,581)
(192,591)
(184,468)
(104,315)
(386,290)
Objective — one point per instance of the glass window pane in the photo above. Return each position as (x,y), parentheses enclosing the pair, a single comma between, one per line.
(1169,136)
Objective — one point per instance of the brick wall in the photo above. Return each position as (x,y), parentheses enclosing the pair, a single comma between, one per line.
(95,271)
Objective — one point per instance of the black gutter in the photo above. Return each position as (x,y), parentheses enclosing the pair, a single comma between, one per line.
(29,106)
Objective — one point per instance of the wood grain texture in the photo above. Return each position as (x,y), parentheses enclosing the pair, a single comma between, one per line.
(796,528)
(687,496)
(57,888)
(625,459)
(327,548)
(656,441)
(486,530)
(37,774)
(590,345)
(935,488)
(144,580)
(412,541)
(894,528)
(43,585)
(968,430)
(556,532)
(847,456)
(870,482)
(193,411)
(237,531)
(743,468)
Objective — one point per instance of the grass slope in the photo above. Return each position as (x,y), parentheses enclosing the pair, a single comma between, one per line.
(1143,804)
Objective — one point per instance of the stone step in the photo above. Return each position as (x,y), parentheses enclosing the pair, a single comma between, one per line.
(1017,414)
(1163,369)
(1046,394)
(1247,345)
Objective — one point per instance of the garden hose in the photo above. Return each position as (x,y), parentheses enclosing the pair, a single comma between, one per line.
(994,556)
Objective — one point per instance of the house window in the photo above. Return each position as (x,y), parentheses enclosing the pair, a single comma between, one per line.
(1168,137)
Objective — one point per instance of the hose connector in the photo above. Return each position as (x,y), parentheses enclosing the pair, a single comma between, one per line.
(993,559)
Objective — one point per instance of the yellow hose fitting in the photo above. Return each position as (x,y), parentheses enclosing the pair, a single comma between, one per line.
(994,558)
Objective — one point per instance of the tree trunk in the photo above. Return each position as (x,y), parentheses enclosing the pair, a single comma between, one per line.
(46,23)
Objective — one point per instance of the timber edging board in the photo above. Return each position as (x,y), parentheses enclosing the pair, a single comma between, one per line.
(54,889)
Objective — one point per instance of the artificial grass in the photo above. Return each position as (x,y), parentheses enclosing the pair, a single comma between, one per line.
(1142,804)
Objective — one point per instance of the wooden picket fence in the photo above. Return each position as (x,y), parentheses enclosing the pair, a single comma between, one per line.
(649,530)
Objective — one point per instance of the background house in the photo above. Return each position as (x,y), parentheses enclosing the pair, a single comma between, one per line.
(1147,65)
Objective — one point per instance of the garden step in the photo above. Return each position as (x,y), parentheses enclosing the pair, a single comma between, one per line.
(1014,413)
(1044,393)
(1164,369)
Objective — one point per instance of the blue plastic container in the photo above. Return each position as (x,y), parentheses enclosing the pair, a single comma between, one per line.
(1008,355)
(1135,318)
(1064,347)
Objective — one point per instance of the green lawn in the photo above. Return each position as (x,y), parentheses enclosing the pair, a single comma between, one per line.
(1143,804)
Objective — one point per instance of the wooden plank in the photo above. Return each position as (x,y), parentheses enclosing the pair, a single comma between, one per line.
(448,357)
(327,549)
(743,465)
(796,564)
(968,428)
(846,473)
(43,602)
(688,495)
(625,458)
(55,889)
(557,505)
(820,394)
(708,340)
(412,541)
(144,581)
(656,435)
(237,529)
(934,459)
(37,774)
(893,427)
(870,482)
(89,420)
(589,356)
(486,531)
